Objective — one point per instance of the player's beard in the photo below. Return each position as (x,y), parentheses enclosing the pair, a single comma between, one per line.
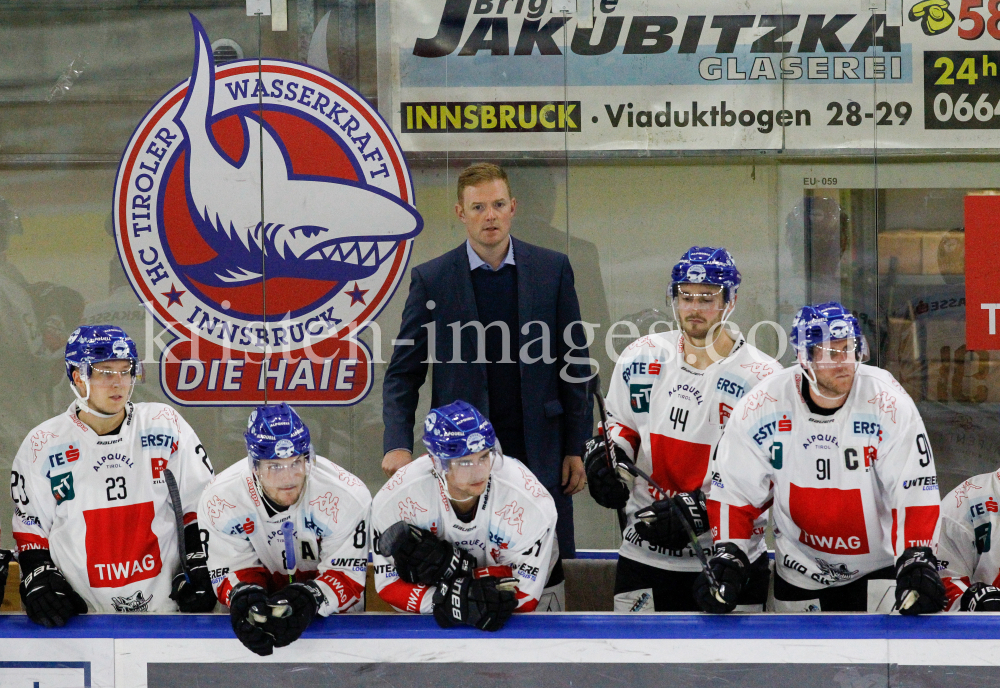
(835,382)
(699,331)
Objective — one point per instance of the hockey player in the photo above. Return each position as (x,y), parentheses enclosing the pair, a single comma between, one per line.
(668,401)
(288,533)
(101,491)
(970,565)
(465,532)
(839,449)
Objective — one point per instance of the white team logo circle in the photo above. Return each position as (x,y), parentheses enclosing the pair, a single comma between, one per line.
(475,443)
(73,337)
(284,449)
(429,422)
(696,274)
(840,330)
(120,348)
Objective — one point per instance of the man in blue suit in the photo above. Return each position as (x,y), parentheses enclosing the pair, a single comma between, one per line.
(497,314)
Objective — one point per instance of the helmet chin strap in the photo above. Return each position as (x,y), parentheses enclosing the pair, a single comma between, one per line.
(730,307)
(81,402)
(814,383)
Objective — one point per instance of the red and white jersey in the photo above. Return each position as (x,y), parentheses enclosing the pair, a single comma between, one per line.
(965,551)
(100,504)
(511,534)
(246,544)
(850,491)
(668,417)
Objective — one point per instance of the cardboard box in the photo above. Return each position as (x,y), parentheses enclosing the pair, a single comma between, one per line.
(943,253)
(903,340)
(906,246)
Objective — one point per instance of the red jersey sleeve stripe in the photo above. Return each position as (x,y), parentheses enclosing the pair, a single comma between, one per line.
(190,517)
(30,541)
(344,587)
(954,588)
(629,435)
(733,522)
(919,524)
(403,595)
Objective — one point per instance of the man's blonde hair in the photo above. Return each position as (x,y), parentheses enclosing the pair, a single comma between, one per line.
(480,173)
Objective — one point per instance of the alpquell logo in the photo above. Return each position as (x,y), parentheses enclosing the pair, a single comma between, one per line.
(264,214)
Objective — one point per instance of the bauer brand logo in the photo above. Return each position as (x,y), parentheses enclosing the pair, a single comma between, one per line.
(264,214)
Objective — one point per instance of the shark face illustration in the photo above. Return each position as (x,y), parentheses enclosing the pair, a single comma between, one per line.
(330,229)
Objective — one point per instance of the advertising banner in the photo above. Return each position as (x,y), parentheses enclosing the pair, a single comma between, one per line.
(264,215)
(669,75)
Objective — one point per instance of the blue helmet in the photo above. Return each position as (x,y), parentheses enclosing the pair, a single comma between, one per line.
(276,432)
(456,430)
(706,265)
(90,344)
(824,322)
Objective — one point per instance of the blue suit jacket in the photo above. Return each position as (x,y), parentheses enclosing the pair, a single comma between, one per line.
(556,417)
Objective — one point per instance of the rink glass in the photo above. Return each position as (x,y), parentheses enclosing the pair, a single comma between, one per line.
(880,230)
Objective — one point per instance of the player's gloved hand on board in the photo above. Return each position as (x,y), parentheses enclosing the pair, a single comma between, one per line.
(980,597)
(47,597)
(194,596)
(485,603)
(661,525)
(919,589)
(604,483)
(731,567)
(248,611)
(421,558)
(291,611)
(6,556)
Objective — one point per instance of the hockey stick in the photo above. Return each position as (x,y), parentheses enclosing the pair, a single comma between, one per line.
(175,504)
(632,470)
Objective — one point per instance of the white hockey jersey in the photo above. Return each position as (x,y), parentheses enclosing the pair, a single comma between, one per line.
(100,504)
(850,491)
(246,544)
(668,417)
(512,533)
(965,544)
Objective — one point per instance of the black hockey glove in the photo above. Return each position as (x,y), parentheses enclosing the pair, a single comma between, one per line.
(485,603)
(980,597)
(291,611)
(420,557)
(196,595)
(47,597)
(248,611)
(606,487)
(919,589)
(731,568)
(6,556)
(662,526)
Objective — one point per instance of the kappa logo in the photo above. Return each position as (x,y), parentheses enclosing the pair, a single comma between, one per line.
(329,249)
(408,510)
(328,504)
(533,487)
(513,515)
(348,479)
(886,403)
(962,491)
(215,506)
(755,400)
(168,414)
(396,481)
(38,441)
(761,370)
(252,489)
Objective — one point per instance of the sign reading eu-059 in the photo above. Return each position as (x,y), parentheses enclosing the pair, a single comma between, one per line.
(962,89)
(507,117)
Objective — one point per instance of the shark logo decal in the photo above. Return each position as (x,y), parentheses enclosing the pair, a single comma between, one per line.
(264,214)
